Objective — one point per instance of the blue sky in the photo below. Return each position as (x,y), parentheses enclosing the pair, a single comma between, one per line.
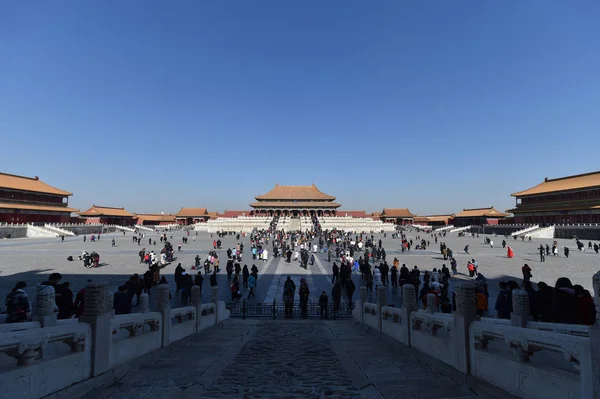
(431,105)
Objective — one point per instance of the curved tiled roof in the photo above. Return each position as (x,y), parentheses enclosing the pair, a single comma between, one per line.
(96,211)
(563,184)
(191,212)
(295,204)
(23,183)
(295,193)
(480,212)
(396,213)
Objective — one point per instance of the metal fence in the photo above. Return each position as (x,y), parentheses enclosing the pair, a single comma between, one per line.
(277,310)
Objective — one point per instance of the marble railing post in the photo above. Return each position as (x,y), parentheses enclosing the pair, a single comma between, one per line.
(432,306)
(214,297)
(197,302)
(97,312)
(163,305)
(363,299)
(521,313)
(594,373)
(144,303)
(409,305)
(466,312)
(381,301)
(45,301)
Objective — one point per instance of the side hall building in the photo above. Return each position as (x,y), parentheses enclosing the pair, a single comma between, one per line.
(401,216)
(478,217)
(30,200)
(563,200)
(107,215)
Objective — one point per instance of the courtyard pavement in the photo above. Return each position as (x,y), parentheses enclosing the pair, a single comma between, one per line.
(287,359)
(33,259)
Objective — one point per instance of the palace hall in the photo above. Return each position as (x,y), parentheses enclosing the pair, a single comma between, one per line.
(564,200)
(294,201)
(30,200)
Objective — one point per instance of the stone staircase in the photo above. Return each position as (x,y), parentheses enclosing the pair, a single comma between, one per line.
(140,227)
(542,232)
(523,232)
(295,224)
(441,229)
(123,228)
(59,230)
(40,231)
(459,229)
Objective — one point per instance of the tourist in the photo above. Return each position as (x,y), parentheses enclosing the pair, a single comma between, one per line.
(368,281)
(586,310)
(336,295)
(186,287)
(64,301)
(121,302)
(213,279)
(235,289)
(289,290)
(323,303)
(336,273)
(526,270)
(304,293)
(79,304)
(542,253)
(245,276)
(251,284)
(394,276)
(566,251)
(199,281)
(17,304)
(503,305)
(350,288)
(481,301)
(467,249)
(542,303)
(564,302)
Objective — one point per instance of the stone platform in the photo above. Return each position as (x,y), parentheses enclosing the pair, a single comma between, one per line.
(286,359)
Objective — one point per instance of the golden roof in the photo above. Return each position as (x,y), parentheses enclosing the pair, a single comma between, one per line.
(96,211)
(295,204)
(34,184)
(47,208)
(563,184)
(396,213)
(295,193)
(480,212)
(191,212)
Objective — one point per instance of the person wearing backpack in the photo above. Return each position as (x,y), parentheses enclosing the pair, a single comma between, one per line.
(17,304)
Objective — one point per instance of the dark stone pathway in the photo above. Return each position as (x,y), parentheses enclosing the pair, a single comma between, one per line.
(285,359)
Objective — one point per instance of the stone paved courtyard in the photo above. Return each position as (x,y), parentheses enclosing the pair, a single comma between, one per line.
(286,359)
(32,260)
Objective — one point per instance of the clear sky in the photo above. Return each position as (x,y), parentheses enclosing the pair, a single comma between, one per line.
(431,105)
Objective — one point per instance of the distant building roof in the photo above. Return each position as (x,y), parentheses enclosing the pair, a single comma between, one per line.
(480,212)
(440,218)
(4,205)
(563,184)
(396,213)
(155,217)
(294,204)
(295,193)
(191,212)
(96,211)
(23,183)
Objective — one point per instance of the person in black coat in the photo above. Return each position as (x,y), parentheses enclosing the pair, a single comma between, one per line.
(121,302)
(565,304)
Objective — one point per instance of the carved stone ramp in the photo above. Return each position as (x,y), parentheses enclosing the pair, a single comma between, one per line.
(287,359)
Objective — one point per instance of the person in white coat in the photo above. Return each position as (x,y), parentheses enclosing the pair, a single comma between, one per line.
(265,255)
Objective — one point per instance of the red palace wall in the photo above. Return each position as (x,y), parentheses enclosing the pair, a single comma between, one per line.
(33,218)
